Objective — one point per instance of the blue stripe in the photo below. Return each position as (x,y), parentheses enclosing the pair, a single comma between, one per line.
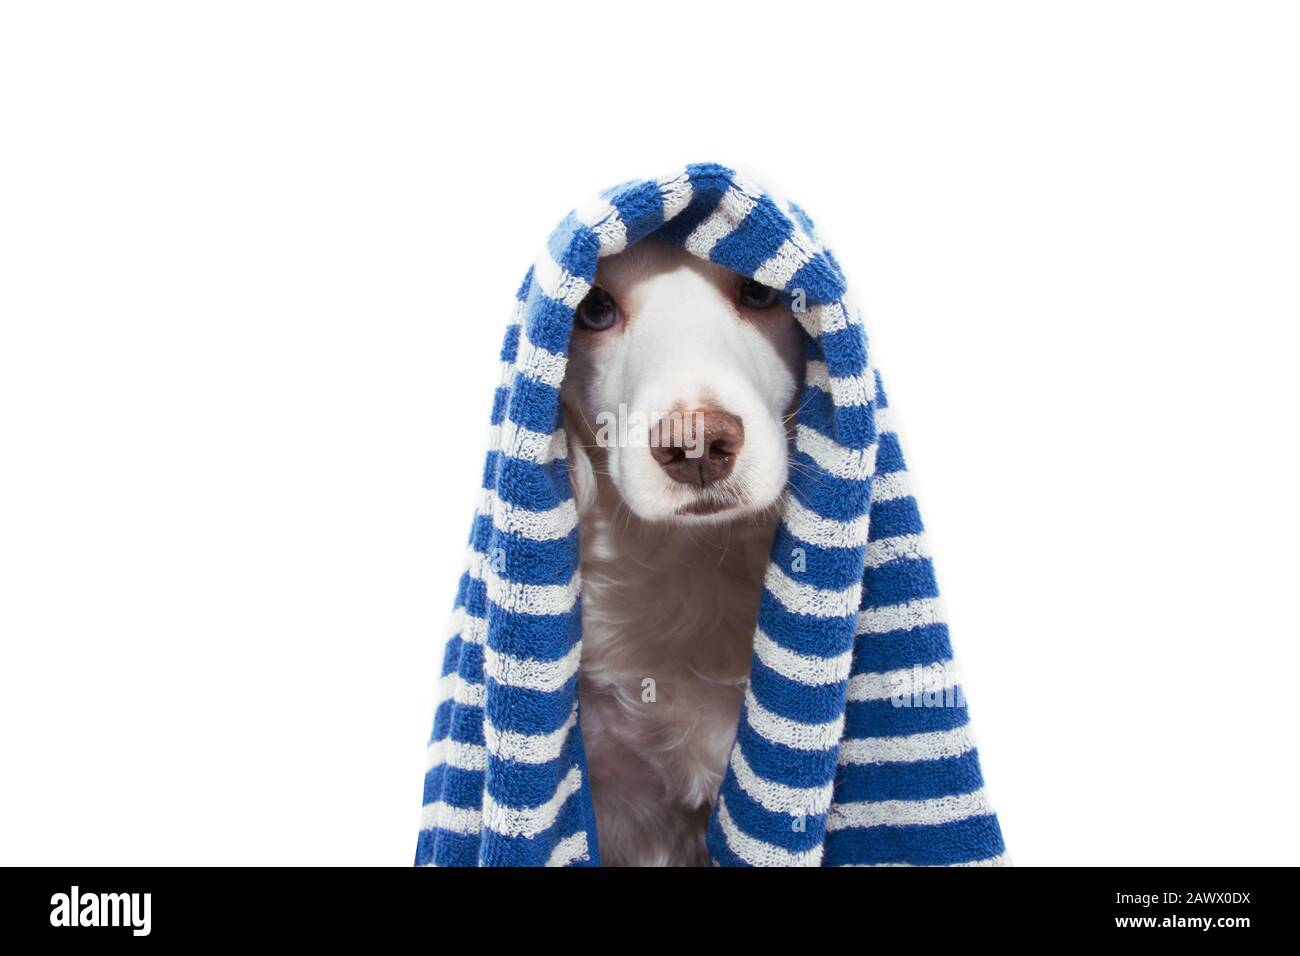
(802,218)
(814,636)
(841,500)
(892,518)
(889,455)
(779,829)
(532,785)
(442,720)
(853,426)
(719,852)
(510,347)
(965,841)
(454,786)
(446,848)
(544,636)
(709,183)
(904,579)
(574,247)
(834,568)
(821,282)
(810,705)
(526,484)
(918,780)
(775,761)
(641,209)
(881,718)
(755,240)
(886,652)
(525,561)
(500,399)
(882,398)
(465,724)
(530,711)
(451,655)
(535,405)
(470,667)
(549,322)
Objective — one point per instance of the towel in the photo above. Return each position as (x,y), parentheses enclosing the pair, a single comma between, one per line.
(853,746)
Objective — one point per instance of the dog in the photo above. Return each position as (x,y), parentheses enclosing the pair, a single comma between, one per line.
(676,516)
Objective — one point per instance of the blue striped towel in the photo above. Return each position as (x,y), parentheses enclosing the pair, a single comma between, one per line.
(853,745)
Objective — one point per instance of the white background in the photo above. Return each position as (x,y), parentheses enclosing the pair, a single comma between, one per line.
(255,260)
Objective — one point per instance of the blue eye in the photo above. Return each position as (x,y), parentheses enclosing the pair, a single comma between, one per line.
(597,312)
(755,295)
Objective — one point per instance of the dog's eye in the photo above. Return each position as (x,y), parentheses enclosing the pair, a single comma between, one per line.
(598,311)
(755,295)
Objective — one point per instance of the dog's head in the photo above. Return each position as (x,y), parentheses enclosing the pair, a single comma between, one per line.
(682,374)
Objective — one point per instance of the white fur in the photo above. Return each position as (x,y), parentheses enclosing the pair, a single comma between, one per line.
(670,601)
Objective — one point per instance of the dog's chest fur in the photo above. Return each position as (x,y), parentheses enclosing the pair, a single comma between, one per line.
(668,618)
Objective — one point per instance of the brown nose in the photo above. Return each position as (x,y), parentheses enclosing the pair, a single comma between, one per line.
(697,447)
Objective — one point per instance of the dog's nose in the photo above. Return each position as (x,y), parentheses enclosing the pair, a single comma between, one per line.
(697,447)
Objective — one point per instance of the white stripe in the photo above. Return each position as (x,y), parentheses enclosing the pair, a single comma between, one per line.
(778,797)
(529,673)
(557,282)
(736,203)
(896,548)
(443,816)
(906,813)
(470,629)
(527,748)
(454,687)
(528,445)
(807,525)
(604,219)
(456,623)
(805,599)
(675,192)
(784,263)
(549,525)
(517,311)
(900,617)
(612,234)
(539,364)
(756,852)
(475,630)
(890,486)
(825,318)
(805,669)
(792,733)
(933,745)
(831,456)
(542,599)
(844,389)
(884,421)
(573,847)
(453,753)
(1001,859)
(530,821)
(905,682)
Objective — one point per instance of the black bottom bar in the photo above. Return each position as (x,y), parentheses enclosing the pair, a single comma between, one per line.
(940,908)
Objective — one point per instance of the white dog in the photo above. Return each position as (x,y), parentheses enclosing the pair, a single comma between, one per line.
(681,383)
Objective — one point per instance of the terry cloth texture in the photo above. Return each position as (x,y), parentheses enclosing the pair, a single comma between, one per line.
(853,745)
